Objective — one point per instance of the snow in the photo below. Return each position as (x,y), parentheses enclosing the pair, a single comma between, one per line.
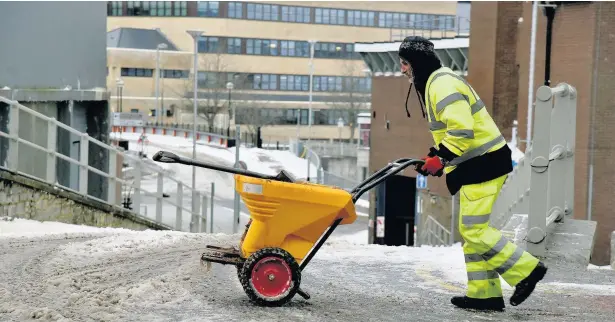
(258,160)
(18,227)
(119,274)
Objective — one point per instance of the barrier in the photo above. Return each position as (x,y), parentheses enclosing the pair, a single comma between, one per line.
(129,180)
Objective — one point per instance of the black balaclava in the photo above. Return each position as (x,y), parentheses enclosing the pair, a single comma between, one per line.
(419,53)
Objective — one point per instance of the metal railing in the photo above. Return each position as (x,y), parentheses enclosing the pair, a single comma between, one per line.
(434,234)
(101,173)
(542,185)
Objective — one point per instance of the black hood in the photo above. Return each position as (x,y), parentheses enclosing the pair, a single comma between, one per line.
(420,54)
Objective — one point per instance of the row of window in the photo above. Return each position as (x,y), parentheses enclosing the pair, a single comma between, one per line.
(148,8)
(298,14)
(149,72)
(281,82)
(284,116)
(273,47)
(278,82)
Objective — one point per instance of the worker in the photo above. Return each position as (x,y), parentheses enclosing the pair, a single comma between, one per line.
(473,154)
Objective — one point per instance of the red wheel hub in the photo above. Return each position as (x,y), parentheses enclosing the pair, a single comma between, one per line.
(271,277)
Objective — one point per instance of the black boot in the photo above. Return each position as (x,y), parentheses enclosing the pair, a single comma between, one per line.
(526,286)
(490,304)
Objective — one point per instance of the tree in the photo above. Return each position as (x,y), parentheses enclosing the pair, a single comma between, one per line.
(212,92)
(355,95)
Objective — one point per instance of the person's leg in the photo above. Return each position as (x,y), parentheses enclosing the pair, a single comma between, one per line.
(498,256)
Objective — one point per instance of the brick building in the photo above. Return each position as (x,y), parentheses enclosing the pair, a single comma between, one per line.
(499,57)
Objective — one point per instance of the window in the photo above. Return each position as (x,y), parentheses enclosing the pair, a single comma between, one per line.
(234,45)
(208,9)
(235,10)
(263,12)
(262,47)
(208,44)
(265,81)
(137,72)
(295,14)
(174,73)
(180,8)
(114,8)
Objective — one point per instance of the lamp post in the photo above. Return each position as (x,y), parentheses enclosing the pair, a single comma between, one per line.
(232,116)
(158,109)
(120,88)
(195,36)
(236,200)
(312,42)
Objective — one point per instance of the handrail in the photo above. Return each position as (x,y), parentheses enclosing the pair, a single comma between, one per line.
(106,170)
(542,184)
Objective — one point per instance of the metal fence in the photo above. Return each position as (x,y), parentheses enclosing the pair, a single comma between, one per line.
(542,185)
(434,234)
(143,186)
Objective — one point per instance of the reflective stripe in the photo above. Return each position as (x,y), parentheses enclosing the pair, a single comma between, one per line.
(477,106)
(436,125)
(449,100)
(468,134)
(477,151)
(498,247)
(474,220)
(482,275)
(473,258)
(510,262)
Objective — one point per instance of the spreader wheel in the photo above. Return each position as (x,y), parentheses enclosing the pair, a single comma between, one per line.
(270,277)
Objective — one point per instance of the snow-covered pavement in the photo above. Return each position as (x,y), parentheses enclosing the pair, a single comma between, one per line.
(60,272)
(259,160)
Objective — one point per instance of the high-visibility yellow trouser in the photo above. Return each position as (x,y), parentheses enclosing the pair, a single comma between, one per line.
(488,254)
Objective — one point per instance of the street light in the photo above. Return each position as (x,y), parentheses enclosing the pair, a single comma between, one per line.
(195,36)
(158,109)
(312,42)
(120,87)
(230,87)
(236,200)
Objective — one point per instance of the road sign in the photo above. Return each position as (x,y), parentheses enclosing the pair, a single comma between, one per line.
(380,226)
(421,181)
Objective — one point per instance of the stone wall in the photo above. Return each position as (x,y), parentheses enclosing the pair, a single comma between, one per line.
(31,199)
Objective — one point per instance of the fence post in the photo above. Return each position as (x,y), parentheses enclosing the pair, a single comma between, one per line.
(194,223)
(52,131)
(539,182)
(13,152)
(112,176)
(84,162)
(203,214)
(136,203)
(211,212)
(159,196)
(179,210)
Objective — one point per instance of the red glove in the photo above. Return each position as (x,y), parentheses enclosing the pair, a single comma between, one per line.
(434,166)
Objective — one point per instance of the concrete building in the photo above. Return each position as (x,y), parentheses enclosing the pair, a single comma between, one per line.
(53,61)
(263,49)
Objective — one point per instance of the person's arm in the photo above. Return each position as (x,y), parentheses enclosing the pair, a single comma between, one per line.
(453,110)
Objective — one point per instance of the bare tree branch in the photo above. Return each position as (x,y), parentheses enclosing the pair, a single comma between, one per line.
(353,98)
(212,92)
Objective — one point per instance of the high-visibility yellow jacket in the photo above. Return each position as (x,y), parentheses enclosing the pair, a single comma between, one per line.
(464,132)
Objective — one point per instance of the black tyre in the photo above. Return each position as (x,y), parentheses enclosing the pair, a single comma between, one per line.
(270,277)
